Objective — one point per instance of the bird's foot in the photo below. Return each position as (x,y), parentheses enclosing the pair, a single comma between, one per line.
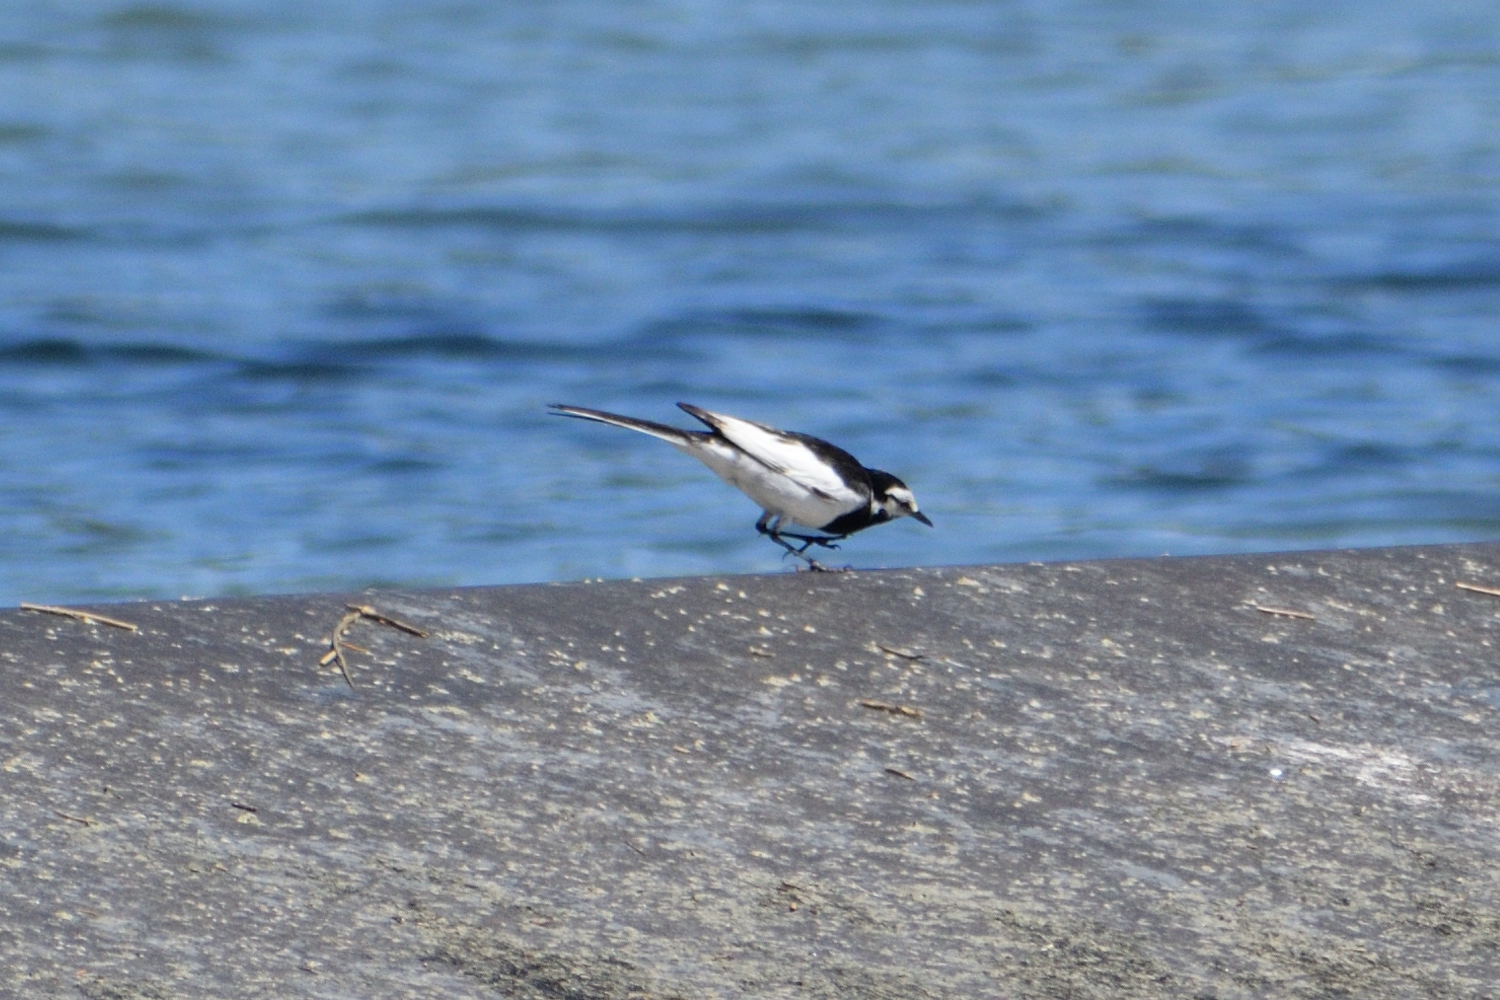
(808,541)
(812,565)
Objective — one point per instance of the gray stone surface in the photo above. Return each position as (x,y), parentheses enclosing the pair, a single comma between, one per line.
(1124,781)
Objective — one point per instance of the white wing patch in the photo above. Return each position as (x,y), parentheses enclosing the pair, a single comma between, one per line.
(788,456)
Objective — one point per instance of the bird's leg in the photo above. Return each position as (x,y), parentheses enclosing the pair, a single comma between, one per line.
(808,541)
(769,526)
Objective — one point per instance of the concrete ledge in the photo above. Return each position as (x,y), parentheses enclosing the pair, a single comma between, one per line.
(1111,779)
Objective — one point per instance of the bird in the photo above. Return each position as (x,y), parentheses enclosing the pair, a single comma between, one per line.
(796,479)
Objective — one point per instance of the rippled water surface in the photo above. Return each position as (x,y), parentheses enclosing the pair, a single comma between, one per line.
(284,288)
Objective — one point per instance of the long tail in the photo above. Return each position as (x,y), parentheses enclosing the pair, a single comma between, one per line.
(674,435)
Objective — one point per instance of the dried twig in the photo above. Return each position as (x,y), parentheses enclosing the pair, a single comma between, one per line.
(365,611)
(88,617)
(905,654)
(882,706)
(1285,612)
(899,774)
(1475,587)
(337,645)
(346,644)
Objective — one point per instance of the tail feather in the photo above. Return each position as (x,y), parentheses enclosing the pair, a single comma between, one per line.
(708,417)
(674,435)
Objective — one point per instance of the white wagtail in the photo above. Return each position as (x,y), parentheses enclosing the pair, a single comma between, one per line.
(796,478)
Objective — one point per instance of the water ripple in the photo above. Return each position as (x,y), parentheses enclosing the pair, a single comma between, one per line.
(284,292)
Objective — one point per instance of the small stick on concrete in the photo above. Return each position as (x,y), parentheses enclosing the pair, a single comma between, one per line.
(365,611)
(882,706)
(905,654)
(1285,612)
(75,819)
(1475,587)
(335,642)
(88,617)
(328,657)
(355,612)
(899,774)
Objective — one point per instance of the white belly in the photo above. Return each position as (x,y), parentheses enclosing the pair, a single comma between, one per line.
(776,494)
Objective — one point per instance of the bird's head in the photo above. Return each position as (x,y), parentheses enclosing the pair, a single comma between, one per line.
(894,498)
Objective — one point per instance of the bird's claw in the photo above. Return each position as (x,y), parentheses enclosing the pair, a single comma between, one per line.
(808,541)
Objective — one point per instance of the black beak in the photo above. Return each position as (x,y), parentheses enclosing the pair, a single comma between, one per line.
(921,517)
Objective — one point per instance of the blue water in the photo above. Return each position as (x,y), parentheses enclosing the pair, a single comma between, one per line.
(284,288)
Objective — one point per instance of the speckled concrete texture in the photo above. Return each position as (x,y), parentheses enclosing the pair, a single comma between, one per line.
(1113,779)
